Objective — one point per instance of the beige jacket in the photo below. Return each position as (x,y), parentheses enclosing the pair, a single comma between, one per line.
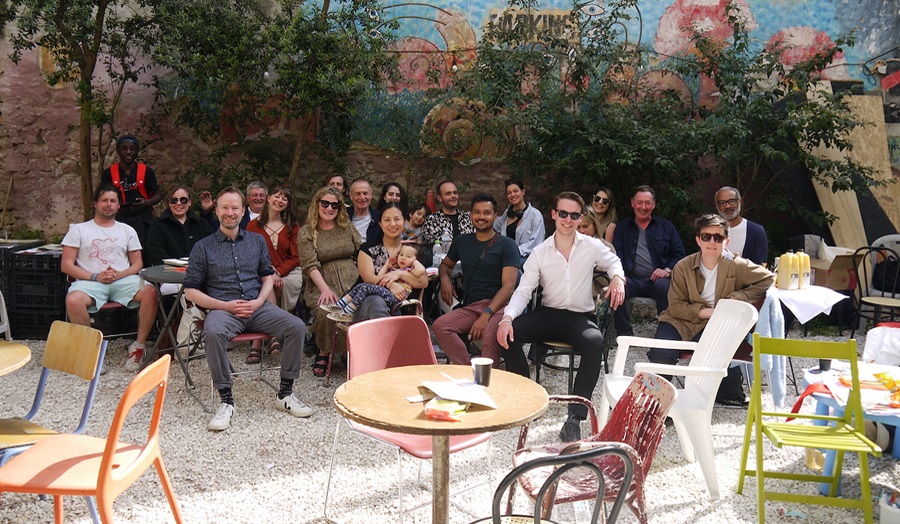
(739,279)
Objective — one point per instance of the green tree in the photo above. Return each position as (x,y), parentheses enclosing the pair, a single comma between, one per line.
(82,35)
(770,119)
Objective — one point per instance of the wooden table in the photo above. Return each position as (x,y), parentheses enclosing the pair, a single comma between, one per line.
(13,356)
(378,400)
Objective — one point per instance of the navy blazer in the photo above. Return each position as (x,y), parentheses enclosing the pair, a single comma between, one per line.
(756,247)
(663,242)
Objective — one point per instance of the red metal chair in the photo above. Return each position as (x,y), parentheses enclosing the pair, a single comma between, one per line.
(638,420)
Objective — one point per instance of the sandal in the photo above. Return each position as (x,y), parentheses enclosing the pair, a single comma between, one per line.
(254,356)
(275,347)
(320,365)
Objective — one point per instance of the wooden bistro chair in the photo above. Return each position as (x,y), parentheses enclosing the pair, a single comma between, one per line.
(845,434)
(877,291)
(102,468)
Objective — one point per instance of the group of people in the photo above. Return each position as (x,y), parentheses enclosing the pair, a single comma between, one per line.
(251,261)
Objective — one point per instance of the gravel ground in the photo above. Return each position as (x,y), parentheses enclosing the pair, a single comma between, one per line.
(270,467)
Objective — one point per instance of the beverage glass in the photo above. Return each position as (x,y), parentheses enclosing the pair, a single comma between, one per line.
(481,369)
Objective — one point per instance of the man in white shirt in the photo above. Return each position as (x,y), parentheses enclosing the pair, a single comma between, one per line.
(564,266)
(746,239)
(104,258)
(362,214)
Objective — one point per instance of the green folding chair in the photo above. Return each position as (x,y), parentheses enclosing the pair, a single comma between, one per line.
(844,433)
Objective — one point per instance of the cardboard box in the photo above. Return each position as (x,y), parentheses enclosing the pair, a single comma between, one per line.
(838,273)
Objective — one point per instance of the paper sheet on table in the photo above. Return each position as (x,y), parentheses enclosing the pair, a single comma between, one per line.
(180,262)
(874,401)
(462,391)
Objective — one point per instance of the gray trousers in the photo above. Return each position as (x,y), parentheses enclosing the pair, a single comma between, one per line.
(221,326)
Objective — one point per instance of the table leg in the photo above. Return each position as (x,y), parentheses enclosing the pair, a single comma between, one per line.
(440,463)
(830,455)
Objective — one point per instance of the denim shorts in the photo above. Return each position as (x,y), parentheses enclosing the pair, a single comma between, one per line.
(121,291)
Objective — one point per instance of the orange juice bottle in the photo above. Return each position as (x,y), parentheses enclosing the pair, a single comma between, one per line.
(804,270)
(783,276)
(795,271)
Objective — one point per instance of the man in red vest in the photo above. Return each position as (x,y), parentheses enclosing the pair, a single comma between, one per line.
(138,189)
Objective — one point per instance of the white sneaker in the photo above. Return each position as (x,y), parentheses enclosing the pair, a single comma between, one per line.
(222,419)
(330,308)
(293,405)
(135,358)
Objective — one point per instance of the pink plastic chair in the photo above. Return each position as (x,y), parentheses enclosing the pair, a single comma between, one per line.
(637,420)
(384,343)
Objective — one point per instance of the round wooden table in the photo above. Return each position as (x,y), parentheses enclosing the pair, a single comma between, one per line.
(378,400)
(13,356)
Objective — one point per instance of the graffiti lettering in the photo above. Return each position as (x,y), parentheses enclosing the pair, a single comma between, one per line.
(555,22)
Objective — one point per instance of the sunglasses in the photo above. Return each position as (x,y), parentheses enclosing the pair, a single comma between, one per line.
(326,204)
(717,238)
(566,214)
(730,202)
(176,200)
(604,201)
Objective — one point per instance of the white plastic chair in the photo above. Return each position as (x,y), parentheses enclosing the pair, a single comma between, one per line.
(692,412)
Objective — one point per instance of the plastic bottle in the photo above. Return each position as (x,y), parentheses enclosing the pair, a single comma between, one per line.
(437,254)
(805,270)
(795,271)
(783,273)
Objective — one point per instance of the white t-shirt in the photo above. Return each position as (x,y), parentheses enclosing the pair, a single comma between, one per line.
(709,287)
(102,247)
(361,223)
(737,238)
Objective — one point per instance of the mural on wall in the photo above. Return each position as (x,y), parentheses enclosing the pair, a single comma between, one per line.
(438,39)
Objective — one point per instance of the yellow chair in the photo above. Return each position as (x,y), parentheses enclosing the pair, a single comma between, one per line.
(845,434)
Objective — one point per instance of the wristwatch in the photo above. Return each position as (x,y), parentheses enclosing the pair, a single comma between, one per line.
(488,310)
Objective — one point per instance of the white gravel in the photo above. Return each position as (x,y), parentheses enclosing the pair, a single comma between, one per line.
(270,467)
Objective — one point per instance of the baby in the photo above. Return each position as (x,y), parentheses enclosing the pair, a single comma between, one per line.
(343,309)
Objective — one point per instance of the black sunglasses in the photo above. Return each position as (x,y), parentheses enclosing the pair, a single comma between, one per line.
(604,201)
(176,200)
(566,214)
(706,237)
(326,204)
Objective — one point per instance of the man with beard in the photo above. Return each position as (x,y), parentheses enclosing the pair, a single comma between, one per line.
(104,258)
(448,222)
(230,274)
(746,239)
(257,193)
(137,185)
(490,265)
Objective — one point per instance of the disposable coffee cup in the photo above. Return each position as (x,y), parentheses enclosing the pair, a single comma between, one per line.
(824,364)
(481,368)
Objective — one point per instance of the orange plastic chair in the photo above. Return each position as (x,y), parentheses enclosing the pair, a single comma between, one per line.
(385,343)
(80,465)
(638,420)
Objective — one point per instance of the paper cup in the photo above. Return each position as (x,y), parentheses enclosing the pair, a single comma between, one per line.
(481,369)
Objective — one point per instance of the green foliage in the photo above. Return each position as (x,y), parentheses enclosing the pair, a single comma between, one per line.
(216,54)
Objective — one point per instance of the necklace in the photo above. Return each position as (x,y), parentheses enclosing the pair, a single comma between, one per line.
(273,234)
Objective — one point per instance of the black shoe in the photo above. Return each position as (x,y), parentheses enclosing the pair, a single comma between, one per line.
(571,430)
(734,403)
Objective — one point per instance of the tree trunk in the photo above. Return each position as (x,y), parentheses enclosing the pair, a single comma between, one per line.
(84,168)
(299,148)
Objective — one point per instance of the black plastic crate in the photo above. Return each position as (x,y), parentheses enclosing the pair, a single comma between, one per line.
(115,321)
(33,323)
(7,250)
(37,283)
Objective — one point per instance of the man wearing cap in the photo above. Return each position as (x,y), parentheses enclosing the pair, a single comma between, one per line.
(138,189)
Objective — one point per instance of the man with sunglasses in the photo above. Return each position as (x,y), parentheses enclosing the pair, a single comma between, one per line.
(649,247)
(137,185)
(699,281)
(746,239)
(564,266)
